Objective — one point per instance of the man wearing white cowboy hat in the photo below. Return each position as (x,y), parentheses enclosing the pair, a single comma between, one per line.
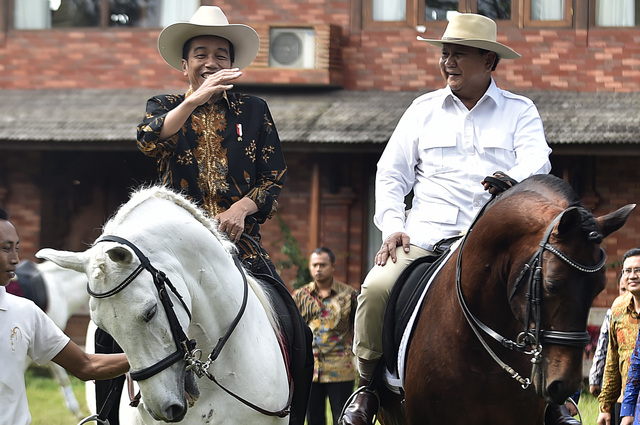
(445,144)
(222,149)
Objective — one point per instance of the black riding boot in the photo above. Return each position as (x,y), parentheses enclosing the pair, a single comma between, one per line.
(363,406)
(558,414)
(105,344)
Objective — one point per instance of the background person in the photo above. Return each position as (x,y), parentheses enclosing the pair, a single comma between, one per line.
(600,355)
(623,331)
(328,306)
(28,332)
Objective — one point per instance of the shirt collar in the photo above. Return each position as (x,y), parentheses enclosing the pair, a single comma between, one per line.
(3,298)
(314,287)
(493,93)
(631,308)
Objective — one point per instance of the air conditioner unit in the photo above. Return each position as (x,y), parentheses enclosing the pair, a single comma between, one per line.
(292,48)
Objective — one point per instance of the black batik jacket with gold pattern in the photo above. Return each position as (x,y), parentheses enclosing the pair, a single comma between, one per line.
(223,152)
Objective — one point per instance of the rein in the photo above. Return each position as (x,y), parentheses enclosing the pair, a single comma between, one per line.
(528,338)
(185,348)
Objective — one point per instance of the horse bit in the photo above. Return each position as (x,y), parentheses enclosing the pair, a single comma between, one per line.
(528,338)
(185,348)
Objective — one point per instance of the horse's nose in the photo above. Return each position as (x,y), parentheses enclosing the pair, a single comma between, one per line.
(558,391)
(175,412)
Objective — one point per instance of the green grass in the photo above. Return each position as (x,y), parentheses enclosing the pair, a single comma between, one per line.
(48,407)
(46,401)
(588,406)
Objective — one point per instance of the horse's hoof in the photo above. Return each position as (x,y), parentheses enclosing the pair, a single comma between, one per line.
(362,408)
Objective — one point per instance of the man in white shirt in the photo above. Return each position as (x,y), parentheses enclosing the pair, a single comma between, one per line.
(444,146)
(27,331)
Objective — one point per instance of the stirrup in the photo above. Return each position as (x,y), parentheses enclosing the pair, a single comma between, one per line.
(94,418)
(577,409)
(365,389)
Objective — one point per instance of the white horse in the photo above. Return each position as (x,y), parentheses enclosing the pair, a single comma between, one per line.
(245,380)
(66,292)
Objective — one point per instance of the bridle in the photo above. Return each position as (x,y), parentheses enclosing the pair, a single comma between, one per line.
(530,340)
(185,348)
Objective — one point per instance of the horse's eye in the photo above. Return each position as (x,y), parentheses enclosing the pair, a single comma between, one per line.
(552,286)
(151,313)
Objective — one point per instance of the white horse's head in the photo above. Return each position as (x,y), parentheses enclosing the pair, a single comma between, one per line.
(179,240)
(135,317)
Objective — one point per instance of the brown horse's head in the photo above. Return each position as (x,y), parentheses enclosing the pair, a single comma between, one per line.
(552,294)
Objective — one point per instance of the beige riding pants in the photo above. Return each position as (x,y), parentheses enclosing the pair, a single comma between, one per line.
(372,301)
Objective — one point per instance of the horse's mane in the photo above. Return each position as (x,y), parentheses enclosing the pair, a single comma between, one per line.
(145,193)
(558,191)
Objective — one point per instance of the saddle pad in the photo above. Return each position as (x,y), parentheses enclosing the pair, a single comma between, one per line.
(404,305)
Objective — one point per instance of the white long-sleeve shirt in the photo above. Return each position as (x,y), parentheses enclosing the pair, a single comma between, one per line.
(442,151)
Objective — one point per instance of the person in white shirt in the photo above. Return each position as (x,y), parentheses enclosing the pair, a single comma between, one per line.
(442,149)
(27,331)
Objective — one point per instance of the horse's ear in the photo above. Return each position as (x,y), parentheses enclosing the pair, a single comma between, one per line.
(65,259)
(570,220)
(120,254)
(614,221)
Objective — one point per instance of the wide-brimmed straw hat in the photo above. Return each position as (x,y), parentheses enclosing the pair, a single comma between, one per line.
(469,29)
(208,20)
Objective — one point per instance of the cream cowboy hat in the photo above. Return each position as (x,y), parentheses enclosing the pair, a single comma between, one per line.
(469,29)
(208,20)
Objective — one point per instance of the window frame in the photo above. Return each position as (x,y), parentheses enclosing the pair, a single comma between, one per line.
(567,22)
(409,21)
(415,14)
(104,23)
(592,20)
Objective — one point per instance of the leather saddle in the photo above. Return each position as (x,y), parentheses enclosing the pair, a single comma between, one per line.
(298,338)
(404,298)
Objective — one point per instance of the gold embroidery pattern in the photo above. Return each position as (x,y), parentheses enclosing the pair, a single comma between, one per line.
(250,151)
(267,151)
(236,105)
(268,124)
(186,159)
(213,165)
(14,336)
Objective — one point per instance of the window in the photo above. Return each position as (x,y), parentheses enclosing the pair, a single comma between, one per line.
(414,12)
(44,14)
(617,13)
(438,10)
(548,13)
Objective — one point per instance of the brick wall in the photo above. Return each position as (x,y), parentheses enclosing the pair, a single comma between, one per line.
(343,211)
(20,197)
(391,59)
(615,181)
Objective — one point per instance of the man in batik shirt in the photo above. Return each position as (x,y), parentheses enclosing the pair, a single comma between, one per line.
(600,355)
(219,148)
(222,150)
(328,306)
(623,330)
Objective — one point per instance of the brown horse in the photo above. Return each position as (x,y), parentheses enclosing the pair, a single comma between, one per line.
(502,328)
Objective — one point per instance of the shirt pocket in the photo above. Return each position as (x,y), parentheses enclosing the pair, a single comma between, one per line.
(437,151)
(499,149)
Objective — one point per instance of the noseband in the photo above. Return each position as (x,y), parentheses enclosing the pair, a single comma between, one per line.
(530,340)
(185,348)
